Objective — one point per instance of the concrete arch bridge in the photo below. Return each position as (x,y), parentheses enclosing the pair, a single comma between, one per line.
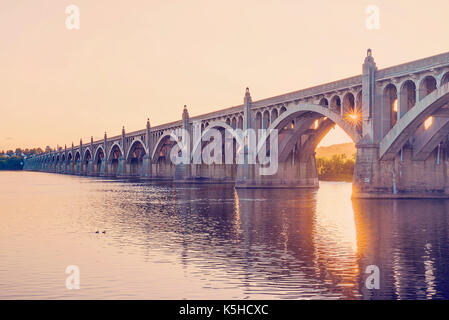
(398,117)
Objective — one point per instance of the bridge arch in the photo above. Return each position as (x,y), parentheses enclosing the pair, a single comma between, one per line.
(87,154)
(162,144)
(335,104)
(222,126)
(324,102)
(282,110)
(135,156)
(445,79)
(113,158)
(274,114)
(389,107)
(77,156)
(116,150)
(324,118)
(87,157)
(407,96)
(406,127)
(98,158)
(427,85)
(348,104)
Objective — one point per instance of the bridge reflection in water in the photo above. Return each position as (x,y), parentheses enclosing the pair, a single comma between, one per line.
(309,244)
(169,240)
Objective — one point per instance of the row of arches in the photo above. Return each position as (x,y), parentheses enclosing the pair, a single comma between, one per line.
(78,164)
(399,99)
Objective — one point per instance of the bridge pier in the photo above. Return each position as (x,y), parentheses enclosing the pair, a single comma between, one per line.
(121,169)
(103,168)
(294,173)
(146,168)
(400,177)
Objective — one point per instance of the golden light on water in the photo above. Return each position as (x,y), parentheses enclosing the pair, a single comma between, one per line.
(428,123)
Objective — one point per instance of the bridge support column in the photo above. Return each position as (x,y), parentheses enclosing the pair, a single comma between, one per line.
(146,166)
(400,177)
(121,170)
(103,168)
(89,168)
(290,174)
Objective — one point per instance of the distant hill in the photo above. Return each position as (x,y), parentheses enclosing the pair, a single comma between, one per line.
(343,148)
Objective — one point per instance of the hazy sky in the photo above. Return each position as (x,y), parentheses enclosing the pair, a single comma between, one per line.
(142,58)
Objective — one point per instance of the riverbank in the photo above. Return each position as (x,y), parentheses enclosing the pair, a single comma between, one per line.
(11,163)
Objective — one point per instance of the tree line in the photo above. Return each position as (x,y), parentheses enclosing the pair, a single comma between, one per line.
(336,168)
(14,159)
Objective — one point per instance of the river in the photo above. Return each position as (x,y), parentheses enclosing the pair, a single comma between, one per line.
(173,241)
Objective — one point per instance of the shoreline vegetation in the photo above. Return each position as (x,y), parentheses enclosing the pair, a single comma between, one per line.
(14,160)
(11,162)
(336,168)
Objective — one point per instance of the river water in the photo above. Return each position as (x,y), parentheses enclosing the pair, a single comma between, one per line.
(166,241)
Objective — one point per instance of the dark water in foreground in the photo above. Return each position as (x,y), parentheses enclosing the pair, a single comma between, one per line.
(167,241)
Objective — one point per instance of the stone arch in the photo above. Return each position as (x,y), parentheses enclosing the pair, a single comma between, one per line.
(445,79)
(335,104)
(406,127)
(389,108)
(313,112)
(427,86)
(86,160)
(160,145)
(274,114)
(240,123)
(98,158)
(234,123)
(324,102)
(87,154)
(99,152)
(136,143)
(348,104)
(219,125)
(114,156)
(258,120)
(135,156)
(116,150)
(407,97)
(282,110)
(313,141)
(57,165)
(266,119)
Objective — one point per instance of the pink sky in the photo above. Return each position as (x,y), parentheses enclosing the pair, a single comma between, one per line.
(137,59)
